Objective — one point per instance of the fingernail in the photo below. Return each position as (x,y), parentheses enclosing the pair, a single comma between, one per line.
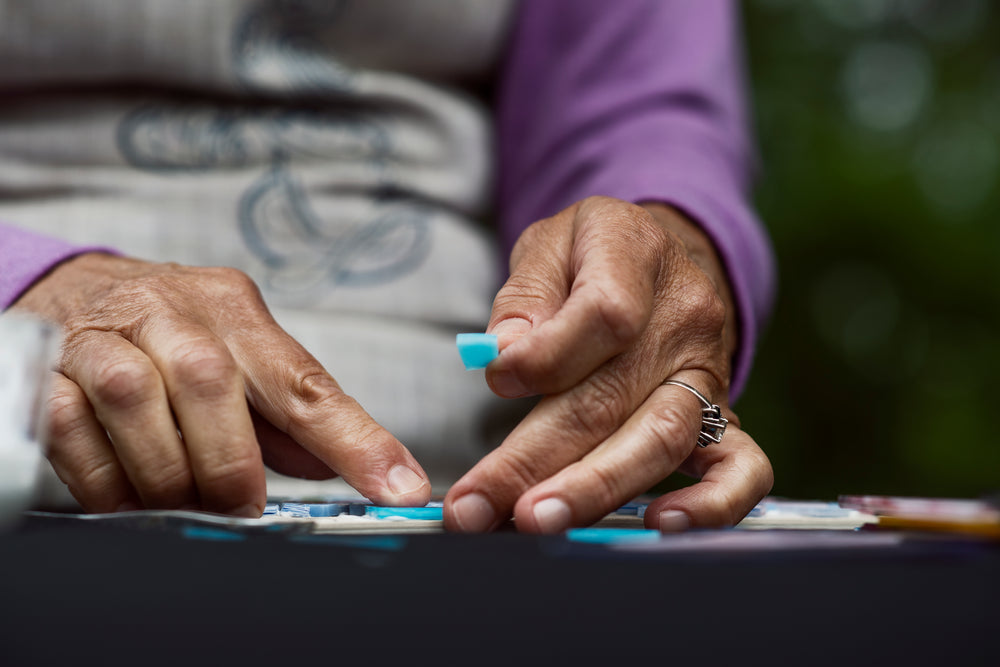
(249,511)
(473,513)
(507,385)
(403,481)
(552,515)
(509,330)
(127,506)
(673,521)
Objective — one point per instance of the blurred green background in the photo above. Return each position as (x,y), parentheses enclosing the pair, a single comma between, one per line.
(878,125)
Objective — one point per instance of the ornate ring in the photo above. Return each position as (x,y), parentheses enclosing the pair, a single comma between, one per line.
(713,424)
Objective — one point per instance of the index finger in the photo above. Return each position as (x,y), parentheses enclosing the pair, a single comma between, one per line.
(292,390)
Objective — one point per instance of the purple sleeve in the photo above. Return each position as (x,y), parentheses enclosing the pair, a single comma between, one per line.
(642,100)
(25,257)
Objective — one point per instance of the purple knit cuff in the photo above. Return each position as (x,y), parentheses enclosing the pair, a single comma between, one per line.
(27,256)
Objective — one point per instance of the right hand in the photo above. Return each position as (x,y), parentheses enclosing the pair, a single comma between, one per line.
(175,386)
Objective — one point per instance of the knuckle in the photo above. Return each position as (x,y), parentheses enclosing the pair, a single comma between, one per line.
(316,396)
(162,484)
(728,512)
(374,440)
(648,241)
(517,471)
(520,290)
(126,383)
(315,387)
(369,446)
(597,202)
(233,292)
(766,476)
(67,416)
(231,470)
(96,477)
(704,306)
(621,312)
(765,481)
(756,468)
(669,432)
(234,282)
(605,487)
(203,367)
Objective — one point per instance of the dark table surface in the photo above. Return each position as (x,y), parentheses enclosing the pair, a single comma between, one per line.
(77,594)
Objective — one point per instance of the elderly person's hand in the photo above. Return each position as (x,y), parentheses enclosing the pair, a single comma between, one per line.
(607,300)
(175,386)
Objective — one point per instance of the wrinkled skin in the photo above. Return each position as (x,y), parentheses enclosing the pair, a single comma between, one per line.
(175,386)
(605,301)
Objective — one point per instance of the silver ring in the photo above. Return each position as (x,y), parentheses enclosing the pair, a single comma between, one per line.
(713,424)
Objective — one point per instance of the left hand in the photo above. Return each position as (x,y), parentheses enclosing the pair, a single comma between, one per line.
(605,301)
